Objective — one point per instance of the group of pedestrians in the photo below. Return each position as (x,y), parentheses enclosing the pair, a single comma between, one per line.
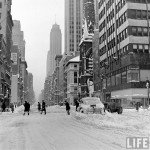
(42,107)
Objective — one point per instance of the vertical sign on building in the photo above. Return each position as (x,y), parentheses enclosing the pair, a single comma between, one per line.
(14,58)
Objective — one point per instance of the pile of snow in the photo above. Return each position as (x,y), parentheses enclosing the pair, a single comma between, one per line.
(19,109)
(56,109)
(129,120)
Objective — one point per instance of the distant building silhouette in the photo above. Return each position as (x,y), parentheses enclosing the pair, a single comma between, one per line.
(55,48)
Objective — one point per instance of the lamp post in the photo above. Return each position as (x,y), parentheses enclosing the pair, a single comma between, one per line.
(147,86)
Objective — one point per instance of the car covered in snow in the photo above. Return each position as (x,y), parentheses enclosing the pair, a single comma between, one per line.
(114,105)
(91,105)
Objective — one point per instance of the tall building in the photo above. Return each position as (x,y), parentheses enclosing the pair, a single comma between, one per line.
(73,25)
(20,73)
(18,38)
(124,49)
(6,24)
(72,69)
(55,48)
(96,13)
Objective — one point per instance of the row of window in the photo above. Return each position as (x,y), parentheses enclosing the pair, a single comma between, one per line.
(120,5)
(109,3)
(120,37)
(136,48)
(121,19)
(133,14)
(122,78)
(130,13)
(138,14)
(139,1)
(131,30)
(138,31)
(102,13)
(140,48)
(101,2)
(102,25)
(110,16)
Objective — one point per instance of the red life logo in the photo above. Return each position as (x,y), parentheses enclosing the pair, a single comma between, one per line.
(137,143)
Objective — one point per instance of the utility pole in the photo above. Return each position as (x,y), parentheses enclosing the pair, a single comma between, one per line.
(147,85)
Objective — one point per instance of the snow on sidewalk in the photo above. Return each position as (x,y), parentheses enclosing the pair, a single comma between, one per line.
(138,122)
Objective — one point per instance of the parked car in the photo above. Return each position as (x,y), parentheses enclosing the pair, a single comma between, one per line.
(113,105)
(91,105)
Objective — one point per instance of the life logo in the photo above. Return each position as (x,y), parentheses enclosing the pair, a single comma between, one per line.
(137,143)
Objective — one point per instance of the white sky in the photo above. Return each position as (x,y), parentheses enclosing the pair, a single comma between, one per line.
(37,18)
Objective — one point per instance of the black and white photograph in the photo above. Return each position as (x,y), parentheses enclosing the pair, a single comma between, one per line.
(74,74)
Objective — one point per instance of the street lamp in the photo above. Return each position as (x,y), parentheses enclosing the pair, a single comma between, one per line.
(147,86)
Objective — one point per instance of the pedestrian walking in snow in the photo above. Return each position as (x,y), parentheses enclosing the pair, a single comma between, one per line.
(67,107)
(137,105)
(77,104)
(43,107)
(26,107)
(39,106)
(3,106)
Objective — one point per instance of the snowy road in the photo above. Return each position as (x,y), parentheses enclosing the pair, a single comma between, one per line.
(57,131)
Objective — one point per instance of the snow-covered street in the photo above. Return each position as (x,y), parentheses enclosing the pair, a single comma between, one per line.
(58,131)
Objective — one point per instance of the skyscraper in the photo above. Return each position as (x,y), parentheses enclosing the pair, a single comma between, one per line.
(73,25)
(18,38)
(55,48)
(124,50)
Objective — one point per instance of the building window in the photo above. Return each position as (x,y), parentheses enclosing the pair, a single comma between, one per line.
(75,77)
(138,14)
(132,14)
(145,31)
(134,31)
(146,48)
(139,30)
(75,66)
(118,79)
(134,47)
(144,14)
(140,49)
(133,76)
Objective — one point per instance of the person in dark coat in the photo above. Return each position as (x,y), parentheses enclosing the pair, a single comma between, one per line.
(67,107)
(43,107)
(137,105)
(39,106)
(77,104)
(12,107)
(3,106)
(26,107)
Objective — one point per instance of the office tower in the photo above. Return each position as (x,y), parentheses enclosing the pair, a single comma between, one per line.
(55,48)
(18,38)
(5,49)
(73,25)
(124,50)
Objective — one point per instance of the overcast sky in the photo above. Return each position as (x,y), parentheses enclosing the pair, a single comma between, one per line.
(37,18)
